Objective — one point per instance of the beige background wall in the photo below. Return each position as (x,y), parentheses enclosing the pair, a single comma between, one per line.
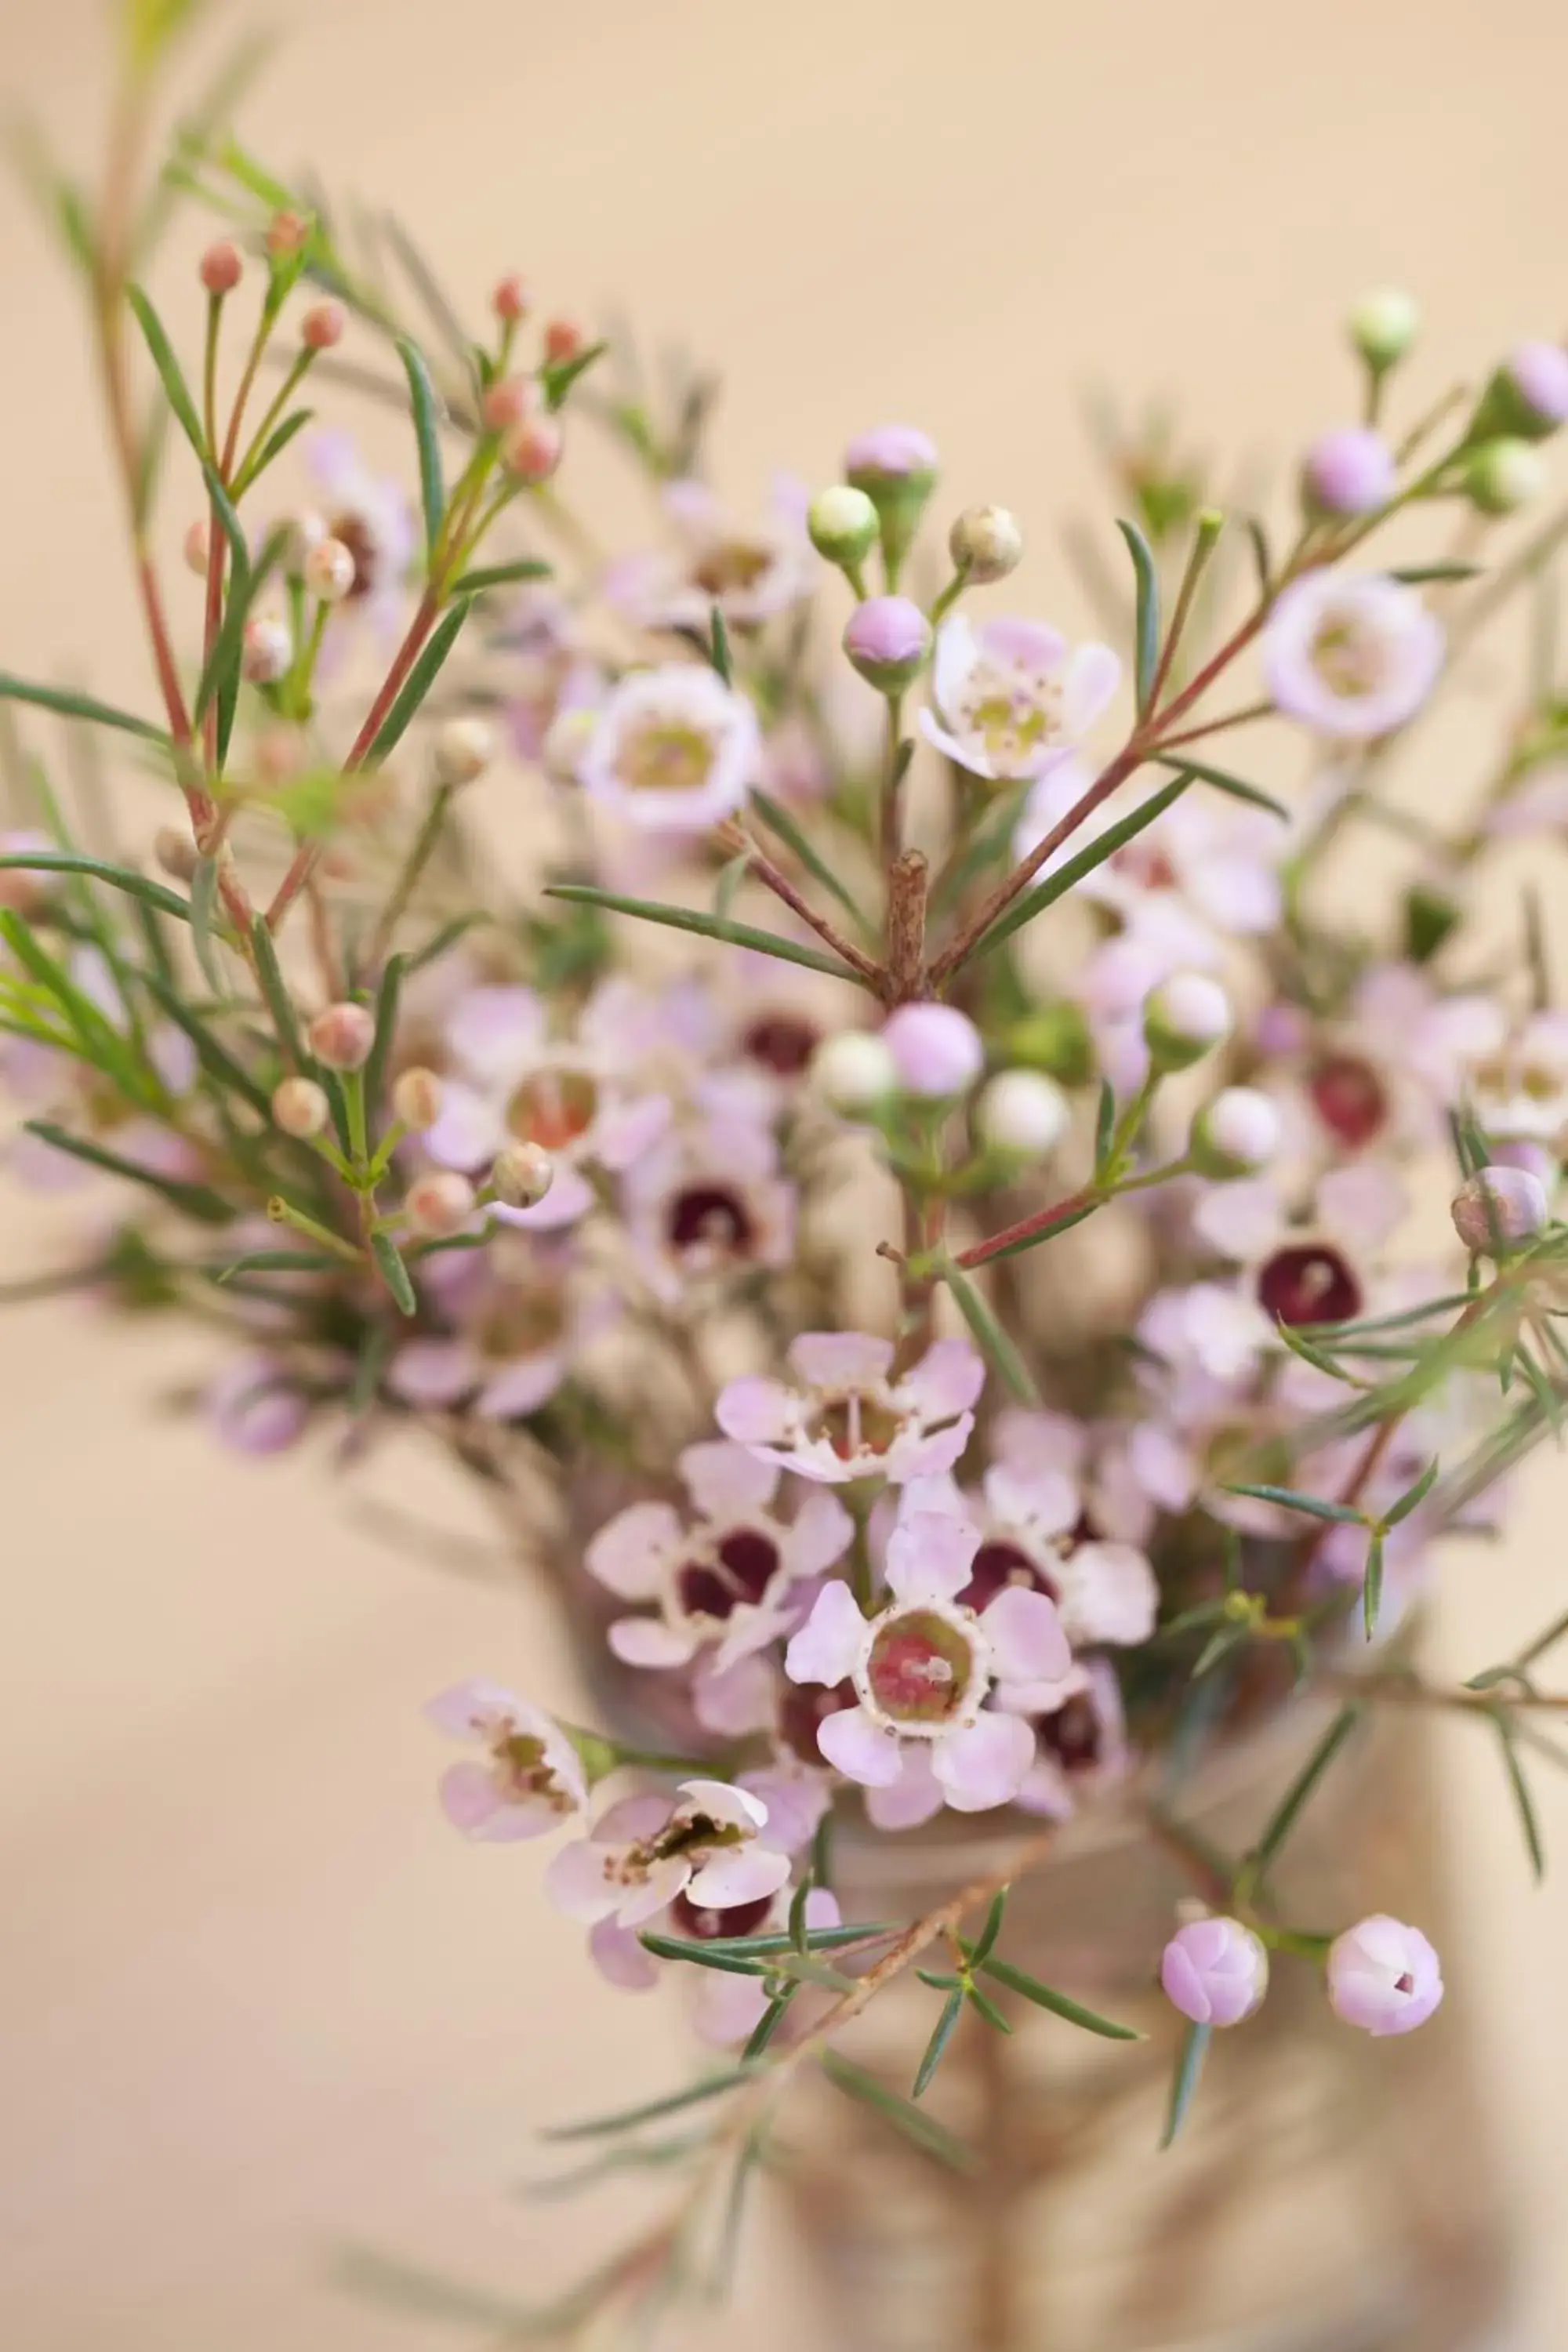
(256,2000)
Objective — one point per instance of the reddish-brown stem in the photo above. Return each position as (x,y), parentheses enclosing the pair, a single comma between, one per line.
(1243,718)
(1036,1226)
(907,879)
(733,841)
(215,549)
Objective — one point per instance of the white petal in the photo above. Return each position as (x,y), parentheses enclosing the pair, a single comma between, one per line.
(983,1765)
(914,1797)
(725,1482)
(953,664)
(819,1535)
(618,1956)
(1044,1501)
(634,1552)
(827,1646)
(576,1882)
(860,1749)
(930,1558)
(738,1875)
(477,1710)
(1108,1594)
(1093,674)
(649,1642)
(756,1411)
(1024,1631)
(724,1803)
(947,1380)
(469,1131)
(832,1360)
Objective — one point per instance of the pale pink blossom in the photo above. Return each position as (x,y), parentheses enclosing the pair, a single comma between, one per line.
(1012,697)
(708,1205)
(533,1778)
(521,1318)
(923,1666)
(645,1851)
(843,1416)
(1383,1977)
(1215,1970)
(752,572)
(1080,1743)
(1352,655)
(1030,1520)
(255,1407)
(673,750)
(720,1575)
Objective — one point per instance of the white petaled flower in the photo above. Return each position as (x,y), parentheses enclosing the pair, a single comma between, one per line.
(533,1779)
(721,1577)
(1080,1744)
(520,1315)
(708,1205)
(673,750)
(578,1097)
(1316,1268)
(1030,1520)
(923,1666)
(751,572)
(1352,655)
(647,1851)
(845,1418)
(1519,1091)
(1013,696)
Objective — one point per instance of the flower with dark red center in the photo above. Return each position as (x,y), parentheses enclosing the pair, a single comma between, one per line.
(922,1669)
(1309,1282)
(708,1204)
(845,1419)
(722,1579)
(1349,1097)
(647,1851)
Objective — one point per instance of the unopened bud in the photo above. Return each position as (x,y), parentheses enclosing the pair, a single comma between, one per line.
(1022,1113)
(197,548)
(937,1050)
(521,1174)
(464,749)
(1504,474)
(1382,326)
(439,1203)
(342,1036)
(563,341)
(896,466)
(323,326)
(222,267)
(306,530)
(1054,1038)
(416,1099)
(1235,1134)
(854,1072)
(1527,398)
(1498,1208)
(299,1107)
(511,402)
(1349,471)
(532,449)
(1184,1019)
(886,639)
(329,571)
(985,544)
(286,233)
(843,524)
(176,853)
(267,649)
(509,300)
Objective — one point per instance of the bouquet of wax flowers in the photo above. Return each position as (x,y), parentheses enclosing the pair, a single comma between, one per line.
(913,1202)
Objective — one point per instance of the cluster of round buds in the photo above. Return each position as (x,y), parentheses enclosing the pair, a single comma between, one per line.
(221,267)
(323,326)
(986,544)
(299,1107)
(532,450)
(341,1037)
(1381,1975)
(1184,1019)
(510,401)
(416,1097)
(329,571)
(886,639)
(267,649)
(1235,1134)
(464,749)
(439,1203)
(1499,1209)
(521,1174)
(1022,1115)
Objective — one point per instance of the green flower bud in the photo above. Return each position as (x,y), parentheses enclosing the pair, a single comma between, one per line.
(1503,475)
(843,524)
(1382,326)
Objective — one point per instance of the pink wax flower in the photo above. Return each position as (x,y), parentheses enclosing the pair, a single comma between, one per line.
(1349,471)
(923,1666)
(371,516)
(1383,1977)
(1314,1265)
(1519,1091)
(511,1081)
(673,750)
(1215,1970)
(1030,1519)
(752,573)
(1207,868)
(706,1204)
(1352,655)
(937,1050)
(1014,697)
(891,453)
(533,1779)
(523,1315)
(1080,1743)
(721,1577)
(886,639)
(645,1851)
(844,1418)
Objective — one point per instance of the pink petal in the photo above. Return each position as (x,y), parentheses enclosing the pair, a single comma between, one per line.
(725,2009)
(947,1380)
(820,1535)
(469,1131)
(1363,1203)
(618,1956)
(1024,1631)
(497,1032)
(520,1389)
(796,1799)
(741,1698)
(630,1820)
(623,1135)
(432,1371)
(1163,1465)
(576,1882)
(1240,1220)
(828,1644)
(916,1796)
(738,1875)
(984,1764)
(834,1360)
(475,1709)
(912,1456)
(860,1748)
(1108,1594)
(469,1796)
(725,1482)
(1093,674)
(649,1642)
(569,1199)
(638,1905)
(756,1411)
(634,1552)
(951,745)
(1045,1501)
(930,1558)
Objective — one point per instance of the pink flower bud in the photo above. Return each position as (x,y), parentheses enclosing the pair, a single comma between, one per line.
(509,300)
(300,1108)
(1499,1207)
(887,639)
(937,1050)
(439,1203)
(521,1174)
(323,326)
(563,338)
(197,547)
(267,649)
(416,1099)
(1215,1971)
(286,233)
(891,454)
(1184,1019)
(342,1036)
(329,571)
(1538,372)
(511,402)
(222,267)
(533,450)
(1383,1977)
(176,853)
(1235,1134)
(1349,471)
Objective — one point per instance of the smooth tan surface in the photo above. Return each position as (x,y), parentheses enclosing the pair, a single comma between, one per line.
(258,2003)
